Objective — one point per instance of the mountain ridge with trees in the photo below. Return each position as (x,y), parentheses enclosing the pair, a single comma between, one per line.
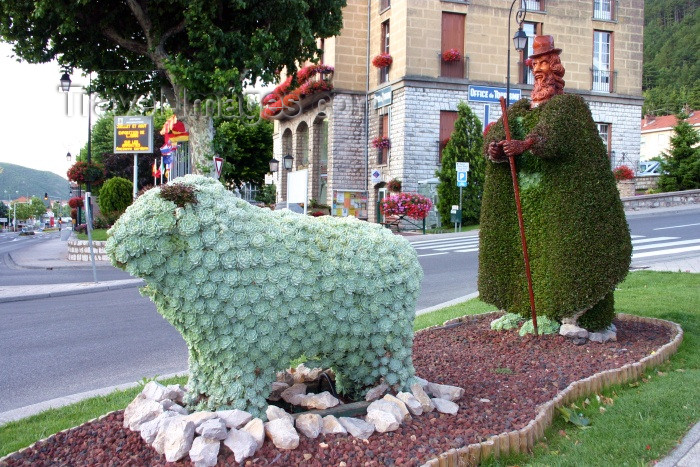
(31,182)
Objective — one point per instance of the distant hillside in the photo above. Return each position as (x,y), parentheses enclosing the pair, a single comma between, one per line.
(671,76)
(25,181)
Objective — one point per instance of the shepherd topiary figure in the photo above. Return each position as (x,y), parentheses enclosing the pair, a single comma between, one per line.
(251,289)
(578,239)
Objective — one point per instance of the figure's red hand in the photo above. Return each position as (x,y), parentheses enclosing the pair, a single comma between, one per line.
(515,147)
(495,152)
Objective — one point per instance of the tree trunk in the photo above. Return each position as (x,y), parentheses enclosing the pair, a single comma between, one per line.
(201,129)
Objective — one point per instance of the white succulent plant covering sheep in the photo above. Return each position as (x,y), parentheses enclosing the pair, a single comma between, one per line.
(251,289)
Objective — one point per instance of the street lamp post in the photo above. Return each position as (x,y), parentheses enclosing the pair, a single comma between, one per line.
(65,87)
(519,40)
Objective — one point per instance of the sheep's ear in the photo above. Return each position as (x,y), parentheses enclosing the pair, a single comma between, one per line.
(179,194)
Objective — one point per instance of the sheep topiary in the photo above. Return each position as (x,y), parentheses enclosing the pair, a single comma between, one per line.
(251,289)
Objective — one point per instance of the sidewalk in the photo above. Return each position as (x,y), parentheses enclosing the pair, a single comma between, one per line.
(53,253)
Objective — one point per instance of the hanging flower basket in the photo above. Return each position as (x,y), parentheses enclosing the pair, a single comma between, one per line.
(394,185)
(412,205)
(382,61)
(622,173)
(82,172)
(451,55)
(75,202)
(381,142)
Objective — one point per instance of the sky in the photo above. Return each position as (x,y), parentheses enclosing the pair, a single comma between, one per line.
(39,127)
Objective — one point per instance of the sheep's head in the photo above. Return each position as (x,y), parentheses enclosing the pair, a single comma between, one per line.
(146,234)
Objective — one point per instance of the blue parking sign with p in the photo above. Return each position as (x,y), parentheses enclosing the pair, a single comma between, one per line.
(461,179)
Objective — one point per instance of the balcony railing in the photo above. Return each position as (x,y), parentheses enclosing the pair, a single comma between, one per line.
(603,80)
(604,10)
(454,69)
(532,5)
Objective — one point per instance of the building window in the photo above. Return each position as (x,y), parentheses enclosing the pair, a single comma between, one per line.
(383,153)
(384,4)
(322,46)
(384,48)
(525,75)
(447,126)
(452,38)
(302,153)
(532,5)
(602,61)
(605,135)
(603,9)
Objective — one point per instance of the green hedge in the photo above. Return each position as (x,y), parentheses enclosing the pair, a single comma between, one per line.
(578,240)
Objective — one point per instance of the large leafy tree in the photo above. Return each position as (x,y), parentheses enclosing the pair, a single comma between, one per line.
(465,145)
(681,166)
(246,147)
(188,50)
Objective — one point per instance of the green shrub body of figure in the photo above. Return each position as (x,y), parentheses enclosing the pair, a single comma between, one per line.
(577,235)
(251,289)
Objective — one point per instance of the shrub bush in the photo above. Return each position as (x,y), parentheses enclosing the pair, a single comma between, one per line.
(115,196)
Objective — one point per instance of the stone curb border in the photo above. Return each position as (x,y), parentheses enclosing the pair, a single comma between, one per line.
(523,440)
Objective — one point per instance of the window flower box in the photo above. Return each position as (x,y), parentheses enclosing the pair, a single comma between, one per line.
(451,55)
(381,142)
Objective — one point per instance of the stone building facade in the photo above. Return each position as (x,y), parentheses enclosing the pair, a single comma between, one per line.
(413,102)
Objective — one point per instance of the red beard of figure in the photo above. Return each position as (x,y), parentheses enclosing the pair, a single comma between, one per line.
(545,89)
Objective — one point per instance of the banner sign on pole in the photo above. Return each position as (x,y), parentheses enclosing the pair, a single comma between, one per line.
(133,134)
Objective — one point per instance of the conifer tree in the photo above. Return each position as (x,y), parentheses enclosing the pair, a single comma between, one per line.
(681,167)
(465,145)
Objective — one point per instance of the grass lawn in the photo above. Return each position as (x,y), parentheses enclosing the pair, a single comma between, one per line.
(632,424)
(98,235)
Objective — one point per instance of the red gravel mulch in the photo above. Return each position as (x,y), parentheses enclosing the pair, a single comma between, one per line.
(505,378)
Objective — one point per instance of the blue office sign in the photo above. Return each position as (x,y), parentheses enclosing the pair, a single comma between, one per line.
(382,98)
(492,95)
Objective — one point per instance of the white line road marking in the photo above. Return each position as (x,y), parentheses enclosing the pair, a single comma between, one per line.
(445,240)
(676,226)
(654,239)
(666,252)
(663,245)
(432,254)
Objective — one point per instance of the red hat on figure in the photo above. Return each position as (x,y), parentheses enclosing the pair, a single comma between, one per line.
(543,45)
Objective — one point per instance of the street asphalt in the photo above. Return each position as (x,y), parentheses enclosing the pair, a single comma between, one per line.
(53,254)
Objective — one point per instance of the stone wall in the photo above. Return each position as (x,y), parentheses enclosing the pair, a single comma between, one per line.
(79,250)
(646,182)
(660,200)
(624,116)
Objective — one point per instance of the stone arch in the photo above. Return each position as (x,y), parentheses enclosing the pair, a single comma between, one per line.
(319,158)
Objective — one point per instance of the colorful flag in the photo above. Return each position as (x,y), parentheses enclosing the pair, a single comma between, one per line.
(166,150)
(155,171)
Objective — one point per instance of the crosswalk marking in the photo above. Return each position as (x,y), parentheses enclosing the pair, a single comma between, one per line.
(672,251)
(642,246)
(667,244)
(653,239)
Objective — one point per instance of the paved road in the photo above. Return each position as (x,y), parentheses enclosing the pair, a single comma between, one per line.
(55,347)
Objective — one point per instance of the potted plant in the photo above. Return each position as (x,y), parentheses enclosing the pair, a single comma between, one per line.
(382,60)
(394,185)
(451,55)
(624,176)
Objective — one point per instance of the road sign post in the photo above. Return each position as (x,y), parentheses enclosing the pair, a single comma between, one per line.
(218,164)
(462,169)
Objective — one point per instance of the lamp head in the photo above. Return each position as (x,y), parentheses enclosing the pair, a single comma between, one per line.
(65,82)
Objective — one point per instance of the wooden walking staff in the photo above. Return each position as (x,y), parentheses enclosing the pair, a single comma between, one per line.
(521,224)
